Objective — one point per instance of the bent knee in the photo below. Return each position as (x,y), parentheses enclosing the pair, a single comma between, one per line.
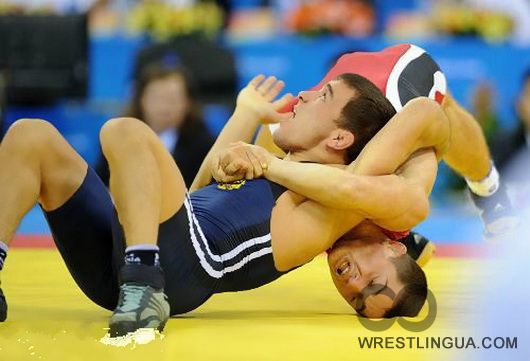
(122,131)
(32,132)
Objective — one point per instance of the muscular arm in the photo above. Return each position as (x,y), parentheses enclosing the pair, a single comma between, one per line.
(240,127)
(421,123)
(367,195)
(254,106)
(318,227)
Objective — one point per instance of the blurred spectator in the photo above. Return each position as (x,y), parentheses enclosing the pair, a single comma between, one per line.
(346,17)
(508,145)
(163,98)
(517,10)
(484,111)
(164,20)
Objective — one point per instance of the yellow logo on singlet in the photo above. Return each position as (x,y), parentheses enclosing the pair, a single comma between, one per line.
(232,185)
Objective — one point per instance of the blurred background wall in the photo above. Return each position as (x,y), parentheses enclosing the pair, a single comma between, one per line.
(482,46)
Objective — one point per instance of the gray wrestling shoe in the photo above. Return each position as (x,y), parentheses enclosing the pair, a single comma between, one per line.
(497,214)
(139,306)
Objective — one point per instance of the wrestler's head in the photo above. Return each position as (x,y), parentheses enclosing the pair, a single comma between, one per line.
(333,124)
(377,277)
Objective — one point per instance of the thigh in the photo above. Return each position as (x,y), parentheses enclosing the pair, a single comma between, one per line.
(53,163)
(173,188)
(187,284)
(88,236)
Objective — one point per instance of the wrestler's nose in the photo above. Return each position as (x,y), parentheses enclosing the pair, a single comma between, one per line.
(305,96)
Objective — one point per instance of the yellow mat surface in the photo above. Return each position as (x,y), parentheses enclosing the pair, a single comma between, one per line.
(299,317)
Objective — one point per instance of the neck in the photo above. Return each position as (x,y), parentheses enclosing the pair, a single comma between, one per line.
(314,156)
(367,229)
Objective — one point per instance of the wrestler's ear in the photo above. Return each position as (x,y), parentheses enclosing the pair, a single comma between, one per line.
(395,248)
(340,139)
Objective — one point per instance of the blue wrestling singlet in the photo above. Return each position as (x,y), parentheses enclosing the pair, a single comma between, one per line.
(219,241)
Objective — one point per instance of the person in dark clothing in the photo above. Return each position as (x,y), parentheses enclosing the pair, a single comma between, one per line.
(164,99)
(509,144)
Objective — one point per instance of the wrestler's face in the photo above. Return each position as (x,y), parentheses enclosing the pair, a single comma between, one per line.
(364,275)
(314,118)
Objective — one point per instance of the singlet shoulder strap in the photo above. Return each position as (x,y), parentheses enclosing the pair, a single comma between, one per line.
(277,190)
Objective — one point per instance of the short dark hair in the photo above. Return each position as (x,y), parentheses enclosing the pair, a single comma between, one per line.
(365,114)
(412,297)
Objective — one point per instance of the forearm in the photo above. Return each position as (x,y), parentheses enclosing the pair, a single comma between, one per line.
(240,127)
(368,196)
(336,188)
(326,185)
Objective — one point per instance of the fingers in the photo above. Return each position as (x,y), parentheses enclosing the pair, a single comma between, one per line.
(235,166)
(219,174)
(283,101)
(268,87)
(265,87)
(257,80)
(273,117)
(257,170)
(240,161)
(274,90)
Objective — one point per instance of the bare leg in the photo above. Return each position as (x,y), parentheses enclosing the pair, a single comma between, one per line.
(468,153)
(36,165)
(148,189)
(451,130)
(145,182)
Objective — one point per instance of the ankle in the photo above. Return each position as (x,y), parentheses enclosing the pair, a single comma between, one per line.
(139,273)
(487,186)
(146,254)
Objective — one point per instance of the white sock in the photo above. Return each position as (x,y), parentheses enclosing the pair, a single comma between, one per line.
(3,253)
(142,247)
(486,186)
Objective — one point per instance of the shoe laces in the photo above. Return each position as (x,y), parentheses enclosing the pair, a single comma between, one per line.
(132,297)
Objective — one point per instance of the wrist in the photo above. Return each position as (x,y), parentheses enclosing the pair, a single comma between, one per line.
(246,114)
(273,167)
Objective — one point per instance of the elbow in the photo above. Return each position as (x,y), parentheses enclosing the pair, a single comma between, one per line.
(419,209)
(283,264)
